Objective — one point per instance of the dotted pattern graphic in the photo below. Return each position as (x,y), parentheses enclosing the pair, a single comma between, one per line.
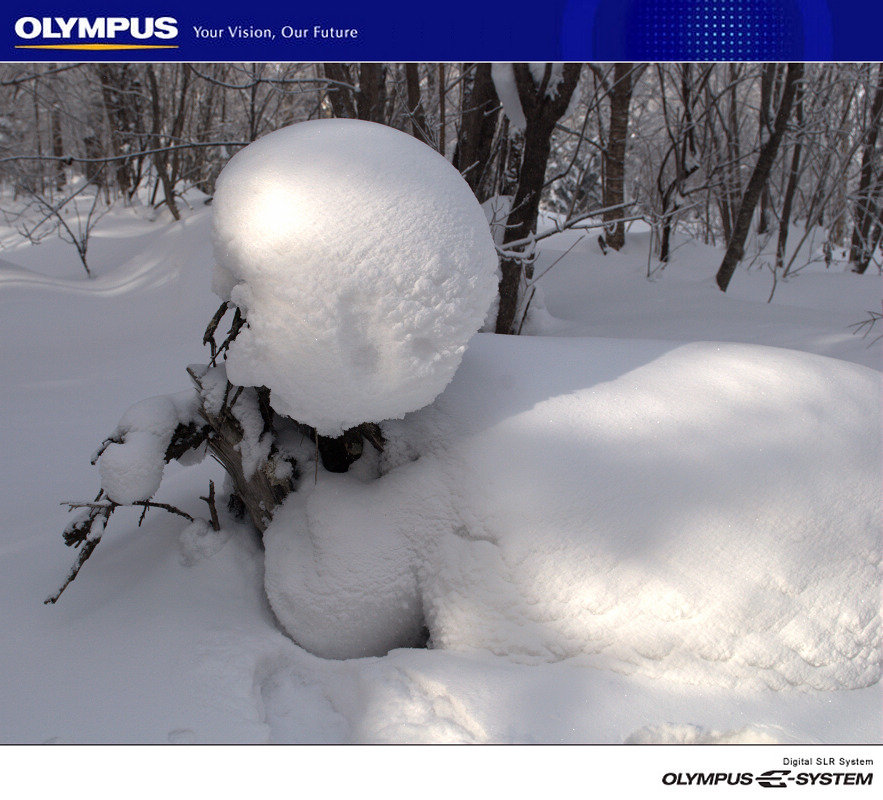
(714,30)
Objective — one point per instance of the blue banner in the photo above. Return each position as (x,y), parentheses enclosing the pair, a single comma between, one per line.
(457,30)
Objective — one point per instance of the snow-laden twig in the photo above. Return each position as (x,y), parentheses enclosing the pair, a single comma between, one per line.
(86,530)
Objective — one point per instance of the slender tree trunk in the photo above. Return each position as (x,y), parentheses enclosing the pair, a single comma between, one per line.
(366,101)
(478,123)
(116,93)
(791,188)
(341,98)
(860,251)
(38,138)
(166,166)
(371,98)
(732,171)
(735,248)
(522,221)
(442,112)
(416,114)
(614,155)
(767,81)
(541,112)
(58,148)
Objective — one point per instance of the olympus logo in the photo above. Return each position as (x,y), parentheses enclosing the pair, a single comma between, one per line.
(86,28)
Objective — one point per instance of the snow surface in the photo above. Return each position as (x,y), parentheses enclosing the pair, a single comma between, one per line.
(586,500)
(363,264)
(167,635)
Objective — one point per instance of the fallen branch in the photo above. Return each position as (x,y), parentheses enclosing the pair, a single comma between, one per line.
(87,529)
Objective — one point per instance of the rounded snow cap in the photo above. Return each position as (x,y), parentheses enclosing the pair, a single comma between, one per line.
(363,264)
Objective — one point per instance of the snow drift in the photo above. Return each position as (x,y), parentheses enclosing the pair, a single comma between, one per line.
(703,513)
(363,264)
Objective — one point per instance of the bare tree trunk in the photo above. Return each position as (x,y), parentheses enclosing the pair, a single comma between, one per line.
(416,114)
(340,97)
(767,80)
(442,112)
(791,188)
(166,163)
(682,141)
(478,123)
(38,139)
(541,112)
(367,100)
(57,148)
(117,95)
(735,248)
(614,155)
(371,98)
(869,187)
(727,156)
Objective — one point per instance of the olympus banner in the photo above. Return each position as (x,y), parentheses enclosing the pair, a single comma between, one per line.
(493,30)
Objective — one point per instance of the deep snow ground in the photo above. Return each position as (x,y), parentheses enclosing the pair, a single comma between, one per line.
(166,636)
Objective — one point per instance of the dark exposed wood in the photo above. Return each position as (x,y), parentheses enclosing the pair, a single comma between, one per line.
(542,110)
(759,177)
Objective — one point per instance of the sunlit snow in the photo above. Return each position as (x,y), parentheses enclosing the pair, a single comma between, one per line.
(363,264)
(641,523)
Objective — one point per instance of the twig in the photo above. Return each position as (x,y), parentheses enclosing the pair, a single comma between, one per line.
(556,261)
(533,291)
(868,324)
(212,508)
(88,529)
(208,338)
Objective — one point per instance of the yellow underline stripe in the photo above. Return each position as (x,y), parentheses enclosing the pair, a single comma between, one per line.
(96,46)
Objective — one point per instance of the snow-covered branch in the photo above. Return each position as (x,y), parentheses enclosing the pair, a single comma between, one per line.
(523,248)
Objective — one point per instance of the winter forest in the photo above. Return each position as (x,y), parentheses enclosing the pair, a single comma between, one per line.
(464,402)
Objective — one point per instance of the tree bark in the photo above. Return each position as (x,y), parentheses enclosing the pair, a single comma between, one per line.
(614,155)
(340,97)
(166,165)
(57,148)
(366,101)
(869,188)
(371,98)
(416,114)
(262,491)
(541,112)
(119,92)
(791,187)
(759,177)
(478,123)
(442,112)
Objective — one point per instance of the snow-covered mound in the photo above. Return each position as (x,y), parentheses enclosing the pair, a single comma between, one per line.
(703,513)
(363,264)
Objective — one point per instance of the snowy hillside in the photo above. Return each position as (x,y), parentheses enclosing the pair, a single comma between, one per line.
(653,518)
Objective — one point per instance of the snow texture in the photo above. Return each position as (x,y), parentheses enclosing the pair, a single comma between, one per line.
(363,264)
(132,464)
(503,76)
(169,623)
(649,508)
